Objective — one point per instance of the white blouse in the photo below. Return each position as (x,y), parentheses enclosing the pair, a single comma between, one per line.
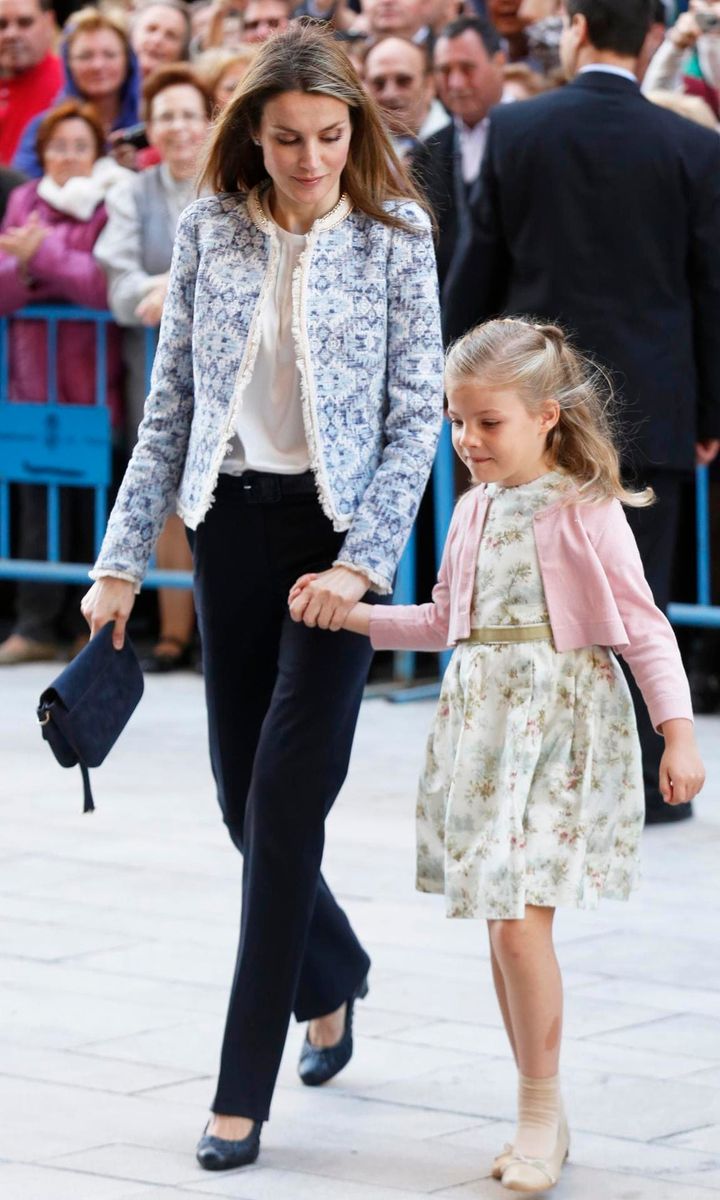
(269,431)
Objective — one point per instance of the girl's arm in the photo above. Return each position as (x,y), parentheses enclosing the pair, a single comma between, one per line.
(651,652)
(653,656)
(358,619)
(397,626)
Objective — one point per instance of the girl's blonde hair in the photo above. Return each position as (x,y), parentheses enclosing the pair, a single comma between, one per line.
(539,362)
(306,58)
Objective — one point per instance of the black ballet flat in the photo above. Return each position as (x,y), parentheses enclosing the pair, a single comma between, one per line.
(222,1154)
(318,1064)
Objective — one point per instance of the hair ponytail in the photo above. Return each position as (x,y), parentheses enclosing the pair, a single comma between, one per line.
(540,362)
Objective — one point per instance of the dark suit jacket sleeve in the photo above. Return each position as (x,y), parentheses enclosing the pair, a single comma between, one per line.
(476,282)
(704,279)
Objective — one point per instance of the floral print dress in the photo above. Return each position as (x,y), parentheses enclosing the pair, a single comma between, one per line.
(532,789)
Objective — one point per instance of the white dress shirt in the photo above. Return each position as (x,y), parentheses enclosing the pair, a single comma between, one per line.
(269,431)
(472,147)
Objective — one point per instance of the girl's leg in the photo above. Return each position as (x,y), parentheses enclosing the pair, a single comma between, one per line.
(501,993)
(526,957)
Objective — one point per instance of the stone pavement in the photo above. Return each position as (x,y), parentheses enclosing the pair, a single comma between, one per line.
(116,948)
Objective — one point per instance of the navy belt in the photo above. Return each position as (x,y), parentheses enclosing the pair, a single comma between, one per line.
(266,487)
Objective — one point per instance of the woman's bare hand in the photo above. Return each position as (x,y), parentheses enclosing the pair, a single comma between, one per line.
(109,600)
(323,601)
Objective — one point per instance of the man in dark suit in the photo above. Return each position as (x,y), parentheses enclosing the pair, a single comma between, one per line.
(601,211)
(468,66)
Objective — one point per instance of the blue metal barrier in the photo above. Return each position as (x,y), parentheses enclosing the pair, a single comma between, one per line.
(64,445)
(704,613)
(61,445)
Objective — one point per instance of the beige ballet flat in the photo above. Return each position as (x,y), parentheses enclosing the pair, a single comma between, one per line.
(502,1161)
(537,1174)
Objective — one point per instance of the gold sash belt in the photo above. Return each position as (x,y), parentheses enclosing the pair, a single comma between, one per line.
(509,633)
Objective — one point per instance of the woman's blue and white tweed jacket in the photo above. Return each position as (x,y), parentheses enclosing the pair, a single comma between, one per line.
(366,326)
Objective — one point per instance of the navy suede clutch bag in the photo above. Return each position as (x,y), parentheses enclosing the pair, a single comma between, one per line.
(86,708)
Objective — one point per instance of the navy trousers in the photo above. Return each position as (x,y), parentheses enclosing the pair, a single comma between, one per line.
(283,702)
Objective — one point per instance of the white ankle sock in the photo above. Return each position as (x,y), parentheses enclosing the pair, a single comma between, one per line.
(539,1108)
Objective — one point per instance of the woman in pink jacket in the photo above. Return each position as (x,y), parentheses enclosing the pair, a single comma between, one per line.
(532,793)
(46,255)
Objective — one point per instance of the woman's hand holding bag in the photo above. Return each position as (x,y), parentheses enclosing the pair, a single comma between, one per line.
(109,599)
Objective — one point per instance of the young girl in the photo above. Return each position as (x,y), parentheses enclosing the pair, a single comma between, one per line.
(532,792)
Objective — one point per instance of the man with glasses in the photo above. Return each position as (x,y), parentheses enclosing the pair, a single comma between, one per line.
(30,75)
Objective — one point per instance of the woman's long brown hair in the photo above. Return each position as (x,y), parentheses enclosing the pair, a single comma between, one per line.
(306,58)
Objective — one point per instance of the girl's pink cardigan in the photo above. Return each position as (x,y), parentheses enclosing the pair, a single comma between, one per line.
(595,588)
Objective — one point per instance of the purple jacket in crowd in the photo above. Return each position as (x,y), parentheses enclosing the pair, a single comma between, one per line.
(62,269)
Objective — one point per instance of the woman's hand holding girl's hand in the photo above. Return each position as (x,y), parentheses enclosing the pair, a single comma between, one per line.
(109,600)
(682,773)
(324,601)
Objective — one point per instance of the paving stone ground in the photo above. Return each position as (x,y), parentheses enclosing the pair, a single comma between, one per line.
(117,936)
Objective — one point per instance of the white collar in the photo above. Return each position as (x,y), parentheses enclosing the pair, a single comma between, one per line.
(475,131)
(607,69)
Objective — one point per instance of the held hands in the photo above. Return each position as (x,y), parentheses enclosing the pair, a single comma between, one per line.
(324,601)
(682,774)
(109,600)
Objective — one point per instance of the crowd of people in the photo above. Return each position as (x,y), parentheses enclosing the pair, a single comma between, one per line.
(150,80)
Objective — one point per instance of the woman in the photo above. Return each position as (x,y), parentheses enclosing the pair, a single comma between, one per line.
(223,71)
(135,251)
(293,417)
(46,254)
(101,68)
